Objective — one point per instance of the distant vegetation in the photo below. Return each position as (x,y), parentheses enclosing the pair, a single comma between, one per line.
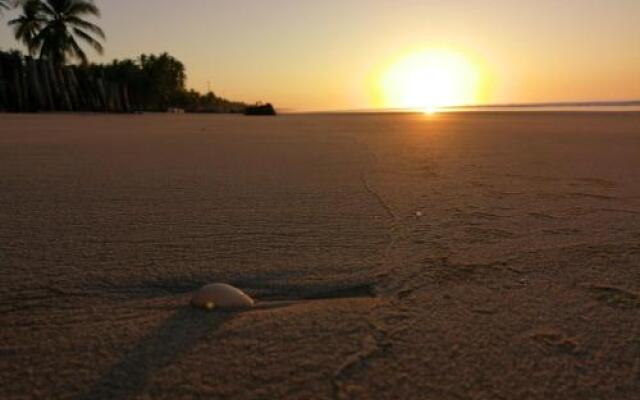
(157,83)
(52,32)
(148,83)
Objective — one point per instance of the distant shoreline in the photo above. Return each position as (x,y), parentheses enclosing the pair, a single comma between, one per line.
(462,112)
(591,106)
(599,107)
(518,111)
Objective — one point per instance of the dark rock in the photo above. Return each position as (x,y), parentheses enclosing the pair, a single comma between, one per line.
(260,109)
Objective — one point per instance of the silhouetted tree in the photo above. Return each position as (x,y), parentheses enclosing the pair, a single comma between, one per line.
(27,26)
(157,82)
(147,83)
(165,78)
(53,28)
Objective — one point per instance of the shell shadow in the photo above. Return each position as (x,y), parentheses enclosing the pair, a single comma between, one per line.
(176,335)
(187,326)
(264,287)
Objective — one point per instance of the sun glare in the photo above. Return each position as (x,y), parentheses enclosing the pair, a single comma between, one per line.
(429,81)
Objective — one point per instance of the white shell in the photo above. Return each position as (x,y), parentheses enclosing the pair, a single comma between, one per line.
(221,296)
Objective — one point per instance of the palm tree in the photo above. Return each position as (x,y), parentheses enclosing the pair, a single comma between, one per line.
(27,26)
(53,27)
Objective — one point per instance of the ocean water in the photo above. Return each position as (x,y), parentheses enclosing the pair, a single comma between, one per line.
(554,108)
(604,107)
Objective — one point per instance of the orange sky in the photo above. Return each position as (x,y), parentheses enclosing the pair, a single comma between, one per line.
(333,54)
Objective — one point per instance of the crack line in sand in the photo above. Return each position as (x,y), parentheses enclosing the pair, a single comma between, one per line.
(373,345)
(377,196)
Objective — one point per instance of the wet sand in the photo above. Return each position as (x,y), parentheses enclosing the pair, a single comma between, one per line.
(467,256)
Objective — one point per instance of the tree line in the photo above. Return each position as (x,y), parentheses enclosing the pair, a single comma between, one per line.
(55,31)
(157,82)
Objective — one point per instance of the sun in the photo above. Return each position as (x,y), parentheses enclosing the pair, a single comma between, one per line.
(430,80)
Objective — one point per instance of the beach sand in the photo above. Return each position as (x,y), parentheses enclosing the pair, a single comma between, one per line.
(457,256)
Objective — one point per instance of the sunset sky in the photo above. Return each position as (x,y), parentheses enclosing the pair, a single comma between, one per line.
(354,54)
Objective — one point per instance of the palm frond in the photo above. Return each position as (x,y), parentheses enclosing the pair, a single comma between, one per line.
(49,7)
(85,25)
(28,25)
(76,51)
(97,46)
(82,7)
(54,27)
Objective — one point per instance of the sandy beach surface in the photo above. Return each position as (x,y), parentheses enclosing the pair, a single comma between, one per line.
(458,256)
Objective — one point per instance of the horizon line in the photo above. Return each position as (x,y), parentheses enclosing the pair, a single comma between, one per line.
(471,107)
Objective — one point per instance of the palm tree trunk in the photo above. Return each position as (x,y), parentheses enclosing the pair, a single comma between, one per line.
(28,99)
(3,85)
(84,91)
(35,85)
(65,98)
(46,84)
(72,86)
(55,85)
(17,84)
(126,106)
(104,101)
